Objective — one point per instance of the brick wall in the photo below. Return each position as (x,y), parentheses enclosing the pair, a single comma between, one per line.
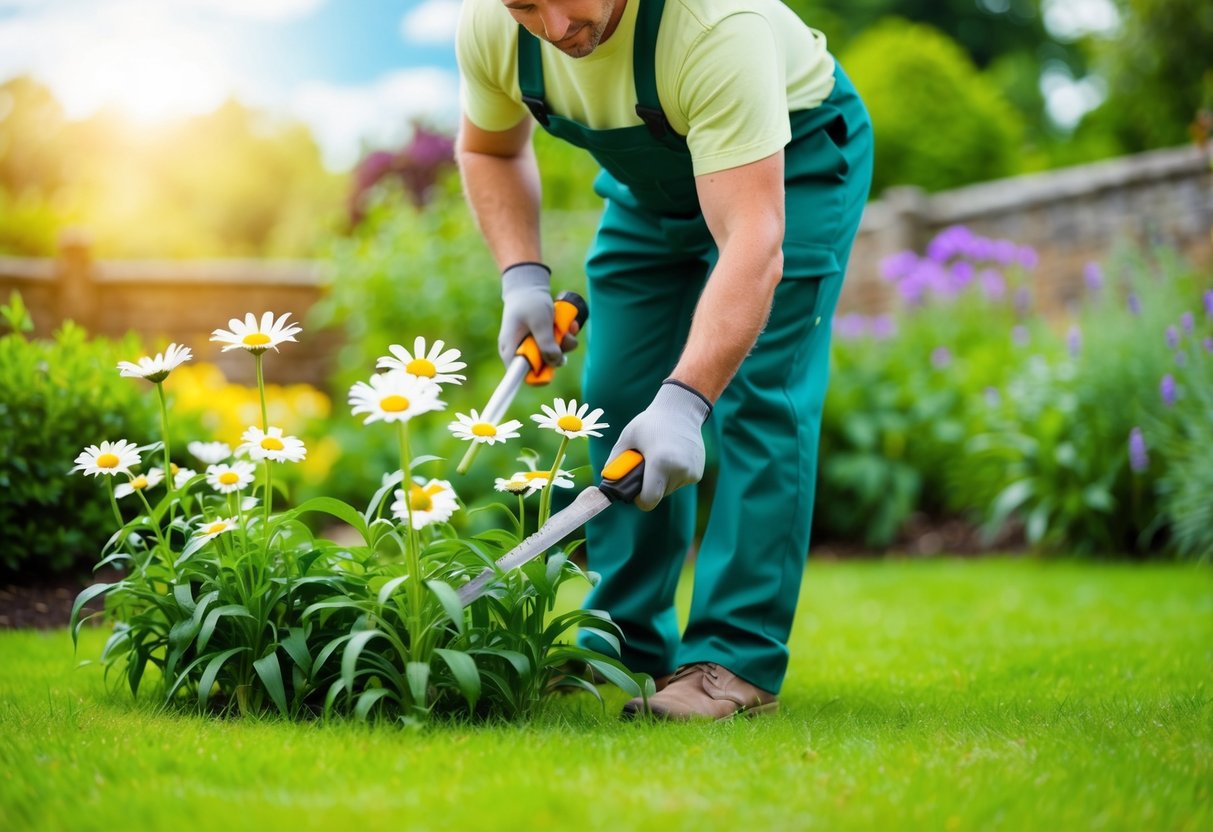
(1069,216)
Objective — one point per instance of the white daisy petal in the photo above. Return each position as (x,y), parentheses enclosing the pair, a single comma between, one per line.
(228,478)
(394,396)
(435,365)
(108,458)
(256,337)
(210,453)
(569,419)
(474,428)
(156,369)
(139,482)
(271,444)
(432,502)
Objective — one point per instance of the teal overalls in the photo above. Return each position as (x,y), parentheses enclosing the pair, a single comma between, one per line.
(649,261)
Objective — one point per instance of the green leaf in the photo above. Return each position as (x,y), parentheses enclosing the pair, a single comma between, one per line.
(335,508)
(367,700)
(617,676)
(212,671)
(449,599)
(418,674)
(385,591)
(185,597)
(83,598)
(463,668)
(208,626)
(295,645)
(270,671)
(353,649)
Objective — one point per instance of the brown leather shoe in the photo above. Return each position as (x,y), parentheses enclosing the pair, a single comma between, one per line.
(705,690)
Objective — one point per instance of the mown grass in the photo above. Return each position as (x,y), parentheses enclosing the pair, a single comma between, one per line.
(948,694)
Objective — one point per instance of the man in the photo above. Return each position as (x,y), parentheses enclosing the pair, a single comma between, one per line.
(736,160)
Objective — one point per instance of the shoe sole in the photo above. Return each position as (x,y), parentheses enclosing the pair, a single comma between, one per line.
(769,709)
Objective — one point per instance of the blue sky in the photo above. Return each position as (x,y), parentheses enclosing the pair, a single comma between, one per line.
(356,71)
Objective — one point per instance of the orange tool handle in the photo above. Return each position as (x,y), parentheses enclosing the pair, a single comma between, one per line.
(570,307)
(623,476)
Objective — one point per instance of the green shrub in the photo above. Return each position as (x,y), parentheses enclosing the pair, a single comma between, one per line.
(57,396)
(939,122)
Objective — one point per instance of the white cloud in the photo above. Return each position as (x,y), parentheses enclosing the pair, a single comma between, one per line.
(347,119)
(261,9)
(434,21)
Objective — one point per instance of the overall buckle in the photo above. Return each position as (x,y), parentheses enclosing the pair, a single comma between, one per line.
(538,108)
(654,119)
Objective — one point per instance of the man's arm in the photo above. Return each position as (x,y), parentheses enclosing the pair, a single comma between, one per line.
(744,210)
(501,182)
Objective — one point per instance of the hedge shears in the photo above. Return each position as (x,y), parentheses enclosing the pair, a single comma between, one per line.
(621,480)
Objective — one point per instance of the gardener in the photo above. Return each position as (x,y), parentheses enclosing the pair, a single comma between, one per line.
(736,159)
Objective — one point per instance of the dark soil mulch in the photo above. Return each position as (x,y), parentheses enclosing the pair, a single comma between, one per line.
(48,604)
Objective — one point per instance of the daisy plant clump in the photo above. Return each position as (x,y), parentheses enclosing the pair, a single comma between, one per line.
(240,607)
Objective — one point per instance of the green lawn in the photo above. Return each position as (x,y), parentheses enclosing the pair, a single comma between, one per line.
(996,694)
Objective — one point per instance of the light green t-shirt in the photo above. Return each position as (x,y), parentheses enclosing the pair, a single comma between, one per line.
(728,74)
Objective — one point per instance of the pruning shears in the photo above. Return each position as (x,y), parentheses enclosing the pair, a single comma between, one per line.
(621,481)
(528,365)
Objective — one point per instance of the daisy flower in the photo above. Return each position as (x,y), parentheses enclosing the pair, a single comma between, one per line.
(478,430)
(108,458)
(433,502)
(256,337)
(156,369)
(436,365)
(180,475)
(139,482)
(272,445)
(511,485)
(394,397)
(533,481)
(226,478)
(570,420)
(213,528)
(210,453)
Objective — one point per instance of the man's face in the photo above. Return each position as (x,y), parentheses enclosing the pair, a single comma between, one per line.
(575,27)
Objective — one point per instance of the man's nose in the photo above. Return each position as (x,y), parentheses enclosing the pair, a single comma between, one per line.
(555,23)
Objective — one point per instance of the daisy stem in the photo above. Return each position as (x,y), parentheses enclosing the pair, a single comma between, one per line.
(170,481)
(269,482)
(265,420)
(521,516)
(468,456)
(545,499)
(109,482)
(412,556)
(150,516)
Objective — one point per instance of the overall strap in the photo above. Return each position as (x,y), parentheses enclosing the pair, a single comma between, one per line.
(644,67)
(530,76)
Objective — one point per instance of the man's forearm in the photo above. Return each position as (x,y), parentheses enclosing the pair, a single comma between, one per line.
(730,314)
(503,193)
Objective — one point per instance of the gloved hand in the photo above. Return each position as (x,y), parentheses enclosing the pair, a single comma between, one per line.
(667,433)
(526,289)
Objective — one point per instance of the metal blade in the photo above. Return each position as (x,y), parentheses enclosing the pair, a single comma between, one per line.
(588,503)
(499,402)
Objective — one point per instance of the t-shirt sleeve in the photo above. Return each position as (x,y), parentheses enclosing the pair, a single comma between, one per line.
(487,71)
(733,91)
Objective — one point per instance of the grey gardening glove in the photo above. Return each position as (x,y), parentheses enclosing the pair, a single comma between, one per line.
(668,434)
(526,289)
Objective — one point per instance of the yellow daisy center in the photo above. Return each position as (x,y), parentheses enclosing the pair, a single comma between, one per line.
(272,443)
(256,339)
(174,469)
(107,461)
(534,475)
(421,367)
(420,499)
(229,478)
(139,482)
(216,527)
(569,422)
(484,429)
(394,404)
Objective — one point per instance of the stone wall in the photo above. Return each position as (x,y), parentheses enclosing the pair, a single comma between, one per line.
(1069,216)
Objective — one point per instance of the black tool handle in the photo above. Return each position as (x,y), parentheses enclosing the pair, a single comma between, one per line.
(622,477)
